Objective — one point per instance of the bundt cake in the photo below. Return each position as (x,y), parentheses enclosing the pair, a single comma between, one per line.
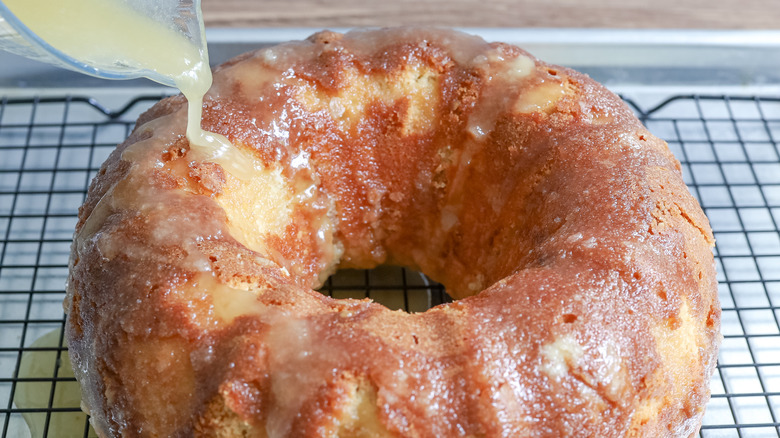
(581,266)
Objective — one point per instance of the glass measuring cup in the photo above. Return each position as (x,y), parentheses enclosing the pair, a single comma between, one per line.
(182,18)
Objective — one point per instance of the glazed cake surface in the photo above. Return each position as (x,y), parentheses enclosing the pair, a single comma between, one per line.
(585,288)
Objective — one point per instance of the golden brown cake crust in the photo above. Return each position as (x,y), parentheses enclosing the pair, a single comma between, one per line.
(583,269)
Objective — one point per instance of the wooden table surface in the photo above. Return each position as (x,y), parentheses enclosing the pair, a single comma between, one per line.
(631,14)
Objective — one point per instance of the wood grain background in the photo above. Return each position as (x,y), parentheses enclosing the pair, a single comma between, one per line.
(636,14)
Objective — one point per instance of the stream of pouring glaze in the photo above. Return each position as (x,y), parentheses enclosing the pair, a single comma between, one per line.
(110,33)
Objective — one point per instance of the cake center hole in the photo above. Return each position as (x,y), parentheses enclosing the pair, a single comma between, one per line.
(394,287)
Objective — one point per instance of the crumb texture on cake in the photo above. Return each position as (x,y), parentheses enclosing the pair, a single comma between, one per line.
(582,268)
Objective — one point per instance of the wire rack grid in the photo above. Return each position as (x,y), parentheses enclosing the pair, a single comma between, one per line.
(50,148)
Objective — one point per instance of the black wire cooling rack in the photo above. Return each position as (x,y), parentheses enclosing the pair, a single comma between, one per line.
(50,148)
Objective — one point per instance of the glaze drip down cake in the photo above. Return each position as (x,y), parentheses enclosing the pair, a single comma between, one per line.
(581,266)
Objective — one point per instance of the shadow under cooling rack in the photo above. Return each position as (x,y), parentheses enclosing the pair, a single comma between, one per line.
(51,148)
